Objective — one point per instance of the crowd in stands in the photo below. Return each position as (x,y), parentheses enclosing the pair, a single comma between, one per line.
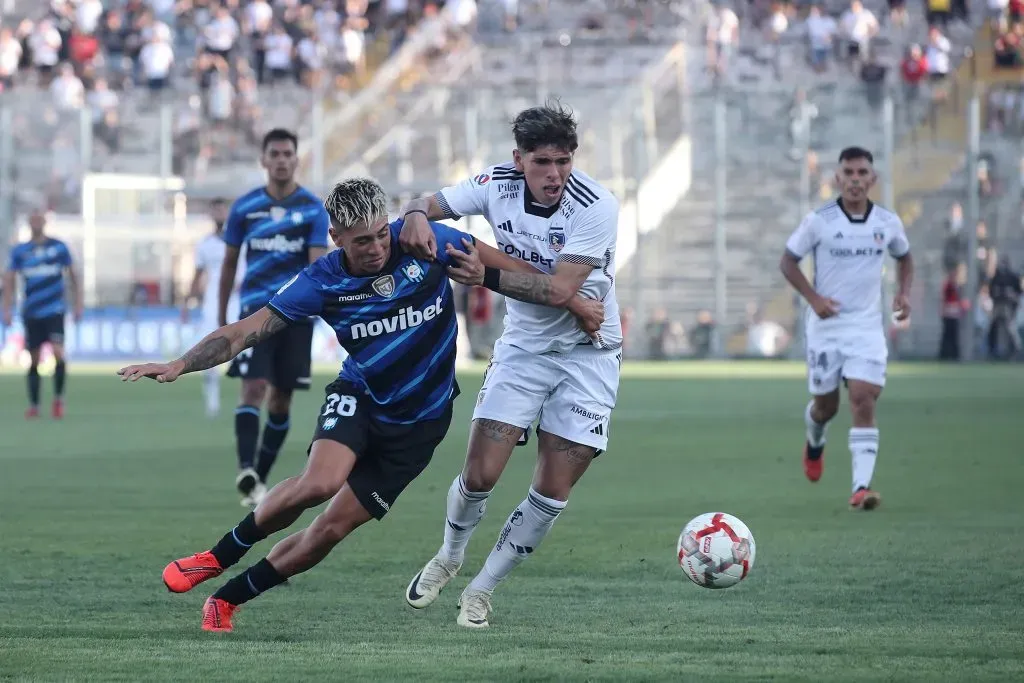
(1006,18)
(229,68)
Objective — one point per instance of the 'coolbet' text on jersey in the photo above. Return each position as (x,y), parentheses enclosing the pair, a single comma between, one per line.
(581,228)
(398,326)
(277,235)
(42,268)
(849,252)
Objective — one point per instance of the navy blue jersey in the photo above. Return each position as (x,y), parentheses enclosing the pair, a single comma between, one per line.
(398,326)
(42,268)
(277,236)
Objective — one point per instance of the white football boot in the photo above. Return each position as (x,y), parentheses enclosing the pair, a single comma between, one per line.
(474,608)
(426,586)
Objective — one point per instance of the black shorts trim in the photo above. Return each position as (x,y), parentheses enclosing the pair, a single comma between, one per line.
(39,331)
(283,360)
(388,456)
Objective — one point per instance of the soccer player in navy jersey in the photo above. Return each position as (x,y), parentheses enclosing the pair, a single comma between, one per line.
(383,416)
(283,228)
(43,262)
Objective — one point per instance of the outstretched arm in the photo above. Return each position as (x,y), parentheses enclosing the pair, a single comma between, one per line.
(218,347)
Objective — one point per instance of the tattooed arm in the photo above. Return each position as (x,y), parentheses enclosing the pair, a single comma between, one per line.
(218,347)
(549,290)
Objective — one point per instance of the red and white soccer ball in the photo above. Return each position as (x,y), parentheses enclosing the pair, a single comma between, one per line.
(716,550)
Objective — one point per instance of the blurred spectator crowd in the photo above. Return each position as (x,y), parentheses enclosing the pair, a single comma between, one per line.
(229,69)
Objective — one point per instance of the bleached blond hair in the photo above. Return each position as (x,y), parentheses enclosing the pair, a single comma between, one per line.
(354,200)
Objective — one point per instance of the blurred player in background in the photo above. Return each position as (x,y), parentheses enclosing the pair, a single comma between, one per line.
(43,262)
(845,330)
(209,258)
(565,225)
(283,228)
(383,416)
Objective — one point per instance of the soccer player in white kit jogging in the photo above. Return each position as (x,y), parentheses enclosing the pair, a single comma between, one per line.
(845,334)
(565,224)
(208,258)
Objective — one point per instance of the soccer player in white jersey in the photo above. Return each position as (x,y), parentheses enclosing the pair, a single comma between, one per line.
(206,280)
(544,367)
(845,334)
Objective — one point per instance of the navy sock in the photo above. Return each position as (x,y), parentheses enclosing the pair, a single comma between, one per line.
(247,433)
(274,432)
(33,385)
(59,375)
(257,579)
(236,543)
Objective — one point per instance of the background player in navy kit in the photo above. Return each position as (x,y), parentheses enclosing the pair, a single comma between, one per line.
(42,261)
(384,415)
(283,228)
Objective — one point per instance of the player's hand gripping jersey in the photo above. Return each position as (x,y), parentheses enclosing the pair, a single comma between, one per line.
(581,228)
(849,253)
(398,326)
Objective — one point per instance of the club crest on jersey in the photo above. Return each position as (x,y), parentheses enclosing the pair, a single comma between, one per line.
(556,238)
(297,217)
(482,179)
(384,285)
(879,236)
(413,272)
(277,212)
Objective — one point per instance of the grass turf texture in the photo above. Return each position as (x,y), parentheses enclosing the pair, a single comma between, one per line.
(927,588)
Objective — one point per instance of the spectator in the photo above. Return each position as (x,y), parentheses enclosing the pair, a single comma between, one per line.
(279,50)
(45,43)
(310,59)
(723,35)
(937,54)
(802,113)
(913,69)
(1005,290)
(873,74)
(221,34)
(821,33)
(938,12)
(859,26)
(157,59)
(10,57)
(954,307)
(67,90)
(258,22)
(103,103)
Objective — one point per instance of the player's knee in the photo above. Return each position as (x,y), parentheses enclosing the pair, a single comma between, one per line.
(824,411)
(253,392)
(58,352)
(862,407)
(478,477)
(317,489)
(329,530)
(278,401)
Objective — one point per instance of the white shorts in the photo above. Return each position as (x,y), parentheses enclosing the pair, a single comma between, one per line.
(830,359)
(571,394)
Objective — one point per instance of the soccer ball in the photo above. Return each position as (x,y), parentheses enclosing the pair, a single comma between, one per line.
(716,550)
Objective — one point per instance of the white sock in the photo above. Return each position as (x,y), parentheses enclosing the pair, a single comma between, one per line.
(465,510)
(815,431)
(864,449)
(525,529)
(211,389)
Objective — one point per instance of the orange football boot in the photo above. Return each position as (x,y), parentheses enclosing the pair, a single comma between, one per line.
(865,499)
(813,466)
(185,574)
(217,615)
(57,409)
(32,412)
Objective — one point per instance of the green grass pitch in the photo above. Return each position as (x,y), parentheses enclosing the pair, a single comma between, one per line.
(927,588)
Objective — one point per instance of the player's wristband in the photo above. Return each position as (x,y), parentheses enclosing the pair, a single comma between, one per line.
(416,211)
(492,277)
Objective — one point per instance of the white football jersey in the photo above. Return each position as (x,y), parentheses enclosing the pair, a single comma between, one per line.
(209,257)
(581,228)
(849,253)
